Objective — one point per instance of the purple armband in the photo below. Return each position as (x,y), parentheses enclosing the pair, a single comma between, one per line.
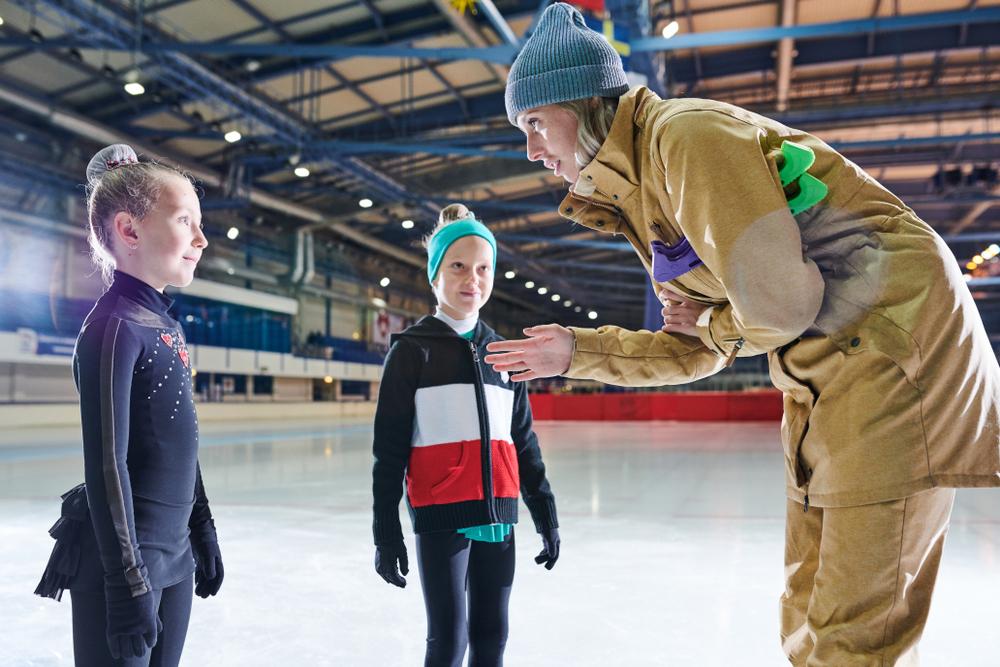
(672,261)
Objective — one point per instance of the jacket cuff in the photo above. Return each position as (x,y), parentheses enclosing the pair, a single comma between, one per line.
(543,514)
(386,528)
(586,346)
(127,583)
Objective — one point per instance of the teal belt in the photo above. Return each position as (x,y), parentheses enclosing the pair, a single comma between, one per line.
(493,532)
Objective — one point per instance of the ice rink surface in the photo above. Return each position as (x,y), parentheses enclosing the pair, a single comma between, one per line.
(671,553)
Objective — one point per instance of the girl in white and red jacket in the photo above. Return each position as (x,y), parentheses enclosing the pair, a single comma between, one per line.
(461,435)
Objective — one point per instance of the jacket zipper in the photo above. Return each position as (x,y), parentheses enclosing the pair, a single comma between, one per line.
(484,435)
(808,475)
(736,350)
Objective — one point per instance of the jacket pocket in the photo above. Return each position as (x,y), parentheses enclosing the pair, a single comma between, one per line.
(873,331)
(506,473)
(699,280)
(453,472)
(464,480)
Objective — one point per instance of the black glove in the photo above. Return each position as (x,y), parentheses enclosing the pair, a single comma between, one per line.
(386,557)
(208,571)
(133,624)
(550,548)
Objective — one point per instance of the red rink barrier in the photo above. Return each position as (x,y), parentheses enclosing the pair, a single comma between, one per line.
(686,406)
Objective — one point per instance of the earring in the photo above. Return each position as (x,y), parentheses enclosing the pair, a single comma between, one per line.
(134,246)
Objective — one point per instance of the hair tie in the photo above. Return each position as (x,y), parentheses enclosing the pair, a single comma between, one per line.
(114,164)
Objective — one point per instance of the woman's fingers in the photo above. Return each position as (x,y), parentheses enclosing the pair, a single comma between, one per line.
(515,345)
(511,368)
(547,351)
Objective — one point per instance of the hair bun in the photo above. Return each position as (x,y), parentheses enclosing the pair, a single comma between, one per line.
(108,158)
(454,212)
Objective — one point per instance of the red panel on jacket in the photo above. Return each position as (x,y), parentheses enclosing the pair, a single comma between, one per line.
(452,473)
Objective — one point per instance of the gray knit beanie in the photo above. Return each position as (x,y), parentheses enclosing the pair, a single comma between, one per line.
(563,60)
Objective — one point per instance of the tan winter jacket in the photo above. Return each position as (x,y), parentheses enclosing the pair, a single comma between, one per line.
(890,384)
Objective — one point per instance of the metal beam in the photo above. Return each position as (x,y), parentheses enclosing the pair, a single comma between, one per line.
(817,30)
(467,29)
(287,37)
(786,54)
(498,22)
(504,54)
(974,213)
(94,131)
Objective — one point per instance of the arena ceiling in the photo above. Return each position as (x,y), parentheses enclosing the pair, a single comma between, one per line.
(400,103)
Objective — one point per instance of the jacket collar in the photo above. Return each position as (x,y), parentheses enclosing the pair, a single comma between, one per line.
(612,177)
(429,326)
(140,292)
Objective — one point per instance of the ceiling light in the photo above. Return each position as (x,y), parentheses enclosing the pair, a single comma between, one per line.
(509,275)
(592,314)
(577,309)
(252,65)
(529,284)
(407,224)
(1,20)
(567,303)
(384,282)
(380,303)
(995,249)
(134,88)
(365,203)
(232,136)
(301,172)
(978,259)
(543,290)
(556,297)
(671,29)
(328,379)
(231,271)
(971,266)
(232,233)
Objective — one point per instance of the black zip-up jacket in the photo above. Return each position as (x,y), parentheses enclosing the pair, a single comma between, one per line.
(140,440)
(459,432)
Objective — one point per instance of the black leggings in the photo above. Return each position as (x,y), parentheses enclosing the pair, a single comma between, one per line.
(90,643)
(452,566)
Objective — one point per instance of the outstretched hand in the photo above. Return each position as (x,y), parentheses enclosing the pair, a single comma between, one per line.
(547,351)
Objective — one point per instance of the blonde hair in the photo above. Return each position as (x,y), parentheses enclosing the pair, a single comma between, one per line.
(594,116)
(449,214)
(117,181)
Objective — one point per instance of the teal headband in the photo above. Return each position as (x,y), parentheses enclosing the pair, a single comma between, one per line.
(447,235)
